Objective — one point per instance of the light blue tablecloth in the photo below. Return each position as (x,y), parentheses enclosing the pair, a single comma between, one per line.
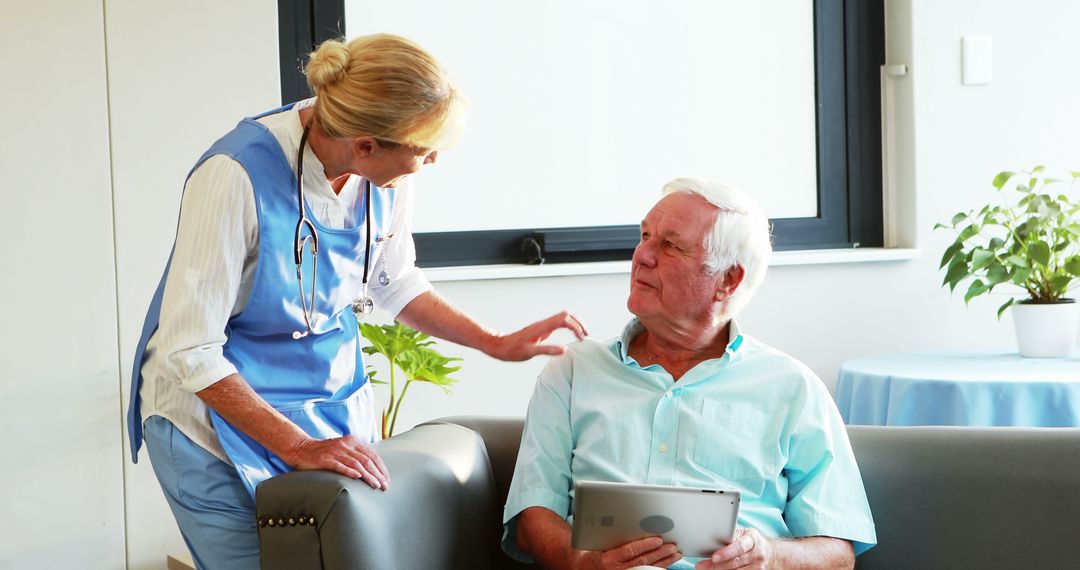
(975,389)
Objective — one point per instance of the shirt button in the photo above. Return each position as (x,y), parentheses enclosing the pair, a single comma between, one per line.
(667,394)
(663,448)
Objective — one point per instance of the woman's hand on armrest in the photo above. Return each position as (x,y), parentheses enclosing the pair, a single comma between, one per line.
(234,400)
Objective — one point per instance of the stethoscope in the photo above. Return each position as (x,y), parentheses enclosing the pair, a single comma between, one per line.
(362,305)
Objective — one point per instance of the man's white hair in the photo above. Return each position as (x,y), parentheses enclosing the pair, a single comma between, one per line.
(740,236)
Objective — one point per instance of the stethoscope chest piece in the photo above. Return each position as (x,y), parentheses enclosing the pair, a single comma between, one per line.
(363,306)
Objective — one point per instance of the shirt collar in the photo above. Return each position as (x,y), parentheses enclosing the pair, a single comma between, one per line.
(634,328)
(314,173)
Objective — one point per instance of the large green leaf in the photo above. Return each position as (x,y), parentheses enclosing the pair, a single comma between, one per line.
(949,253)
(958,270)
(1002,178)
(981,258)
(996,274)
(1020,275)
(1017,261)
(426,365)
(392,340)
(1039,253)
(1033,207)
(1060,284)
(968,232)
(976,288)
(959,218)
(1002,308)
(1072,265)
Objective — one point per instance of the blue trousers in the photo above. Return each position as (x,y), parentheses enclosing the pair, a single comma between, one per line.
(215,513)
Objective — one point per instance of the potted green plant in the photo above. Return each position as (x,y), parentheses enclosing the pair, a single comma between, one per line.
(408,350)
(1030,239)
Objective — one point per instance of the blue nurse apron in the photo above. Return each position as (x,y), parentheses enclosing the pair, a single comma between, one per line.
(318,382)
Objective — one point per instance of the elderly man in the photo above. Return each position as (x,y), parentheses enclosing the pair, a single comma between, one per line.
(684,397)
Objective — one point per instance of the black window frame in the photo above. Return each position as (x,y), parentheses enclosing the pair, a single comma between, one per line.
(303,25)
(849,50)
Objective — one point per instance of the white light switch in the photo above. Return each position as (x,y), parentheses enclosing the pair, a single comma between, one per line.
(976,59)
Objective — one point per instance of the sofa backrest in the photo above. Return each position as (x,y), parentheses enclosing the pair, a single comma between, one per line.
(942,497)
(971,497)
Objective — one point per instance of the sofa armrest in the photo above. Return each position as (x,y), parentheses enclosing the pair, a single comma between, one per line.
(502,437)
(442,496)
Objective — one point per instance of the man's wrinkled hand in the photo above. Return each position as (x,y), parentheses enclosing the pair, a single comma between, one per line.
(749,550)
(650,551)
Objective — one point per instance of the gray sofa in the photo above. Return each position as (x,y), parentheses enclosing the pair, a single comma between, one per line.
(942,498)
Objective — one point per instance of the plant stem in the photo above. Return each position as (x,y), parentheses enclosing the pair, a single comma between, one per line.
(390,408)
(393,422)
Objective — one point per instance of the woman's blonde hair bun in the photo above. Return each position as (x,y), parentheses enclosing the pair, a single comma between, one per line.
(327,65)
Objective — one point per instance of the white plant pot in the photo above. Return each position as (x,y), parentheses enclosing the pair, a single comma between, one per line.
(1046,330)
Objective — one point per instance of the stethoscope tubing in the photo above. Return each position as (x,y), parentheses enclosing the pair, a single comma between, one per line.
(300,241)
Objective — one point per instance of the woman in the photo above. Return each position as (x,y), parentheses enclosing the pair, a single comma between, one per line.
(250,362)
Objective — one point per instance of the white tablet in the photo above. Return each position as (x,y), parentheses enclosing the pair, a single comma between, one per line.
(607,515)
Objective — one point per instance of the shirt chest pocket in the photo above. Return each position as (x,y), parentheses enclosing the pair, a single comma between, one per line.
(735,441)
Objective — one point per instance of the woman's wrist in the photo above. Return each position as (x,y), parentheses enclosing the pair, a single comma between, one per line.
(492,344)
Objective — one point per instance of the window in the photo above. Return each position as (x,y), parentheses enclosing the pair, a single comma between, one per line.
(846,210)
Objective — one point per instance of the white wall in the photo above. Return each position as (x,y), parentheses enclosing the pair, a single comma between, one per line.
(178,76)
(61,480)
(181,74)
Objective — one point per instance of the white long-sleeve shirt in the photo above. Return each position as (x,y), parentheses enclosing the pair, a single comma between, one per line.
(213,266)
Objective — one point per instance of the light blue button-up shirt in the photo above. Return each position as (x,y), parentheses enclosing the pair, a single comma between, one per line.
(756,421)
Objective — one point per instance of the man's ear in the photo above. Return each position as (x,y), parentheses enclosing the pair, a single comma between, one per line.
(364,146)
(727,286)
